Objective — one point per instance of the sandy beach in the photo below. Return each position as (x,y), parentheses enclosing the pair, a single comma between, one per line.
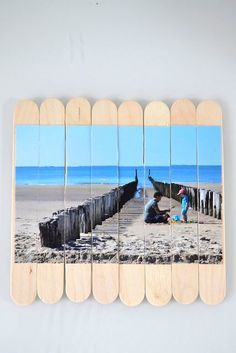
(177,242)
(33,203)
(124,233)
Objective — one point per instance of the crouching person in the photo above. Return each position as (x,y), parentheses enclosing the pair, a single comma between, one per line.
(152,213)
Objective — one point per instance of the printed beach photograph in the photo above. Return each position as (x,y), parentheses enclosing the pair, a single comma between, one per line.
(127,194)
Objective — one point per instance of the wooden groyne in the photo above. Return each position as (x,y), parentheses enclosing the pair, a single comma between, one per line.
(67,224)
(205,201)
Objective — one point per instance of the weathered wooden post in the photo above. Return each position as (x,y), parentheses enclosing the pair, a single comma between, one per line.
(66,225)
(195,190)
(202,200)
(210,203)
(92,212)
(87,208)
(51,234)
(206,210)
(217,205)
(103,208)
(98,218)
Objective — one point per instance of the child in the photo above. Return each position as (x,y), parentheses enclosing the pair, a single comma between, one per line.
(185,204)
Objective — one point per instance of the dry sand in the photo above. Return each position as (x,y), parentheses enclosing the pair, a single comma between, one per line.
(163,243)
(125,233)
(33,203)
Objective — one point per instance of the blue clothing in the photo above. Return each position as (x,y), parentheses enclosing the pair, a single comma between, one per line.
(149,210)
(185,204)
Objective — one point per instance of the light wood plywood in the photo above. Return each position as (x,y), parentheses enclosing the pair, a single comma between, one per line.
(78,276)
(105,279)
(158,277)
(212,277)
(132,276)
(50,276)
(184,275)
(23,275)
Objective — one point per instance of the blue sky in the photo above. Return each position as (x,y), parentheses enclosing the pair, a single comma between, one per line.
(157,146)
(42,146)
(105,141)
(104,145)
(183,145)
(209,145)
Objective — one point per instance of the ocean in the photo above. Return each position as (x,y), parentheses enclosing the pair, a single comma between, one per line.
(114,175)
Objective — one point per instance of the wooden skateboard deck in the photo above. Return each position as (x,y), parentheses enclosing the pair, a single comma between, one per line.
(184,236)
(50,273)
(157,156)
(104,152)
(132,280)
(212,280)
(23,274)
(78,265)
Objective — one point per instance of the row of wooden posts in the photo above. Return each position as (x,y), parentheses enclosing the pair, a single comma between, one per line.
(66,225)
(205,201)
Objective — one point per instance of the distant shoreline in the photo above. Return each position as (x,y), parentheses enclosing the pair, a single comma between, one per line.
(111,174)
(208,186)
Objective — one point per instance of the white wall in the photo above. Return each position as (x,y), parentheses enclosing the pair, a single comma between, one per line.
(131,49)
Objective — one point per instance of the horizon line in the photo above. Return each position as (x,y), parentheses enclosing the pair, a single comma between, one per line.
(117,166)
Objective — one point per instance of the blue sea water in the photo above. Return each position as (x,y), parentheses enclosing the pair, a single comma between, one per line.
(111,174)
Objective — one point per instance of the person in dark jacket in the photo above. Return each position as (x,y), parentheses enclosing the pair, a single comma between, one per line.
(152,213)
